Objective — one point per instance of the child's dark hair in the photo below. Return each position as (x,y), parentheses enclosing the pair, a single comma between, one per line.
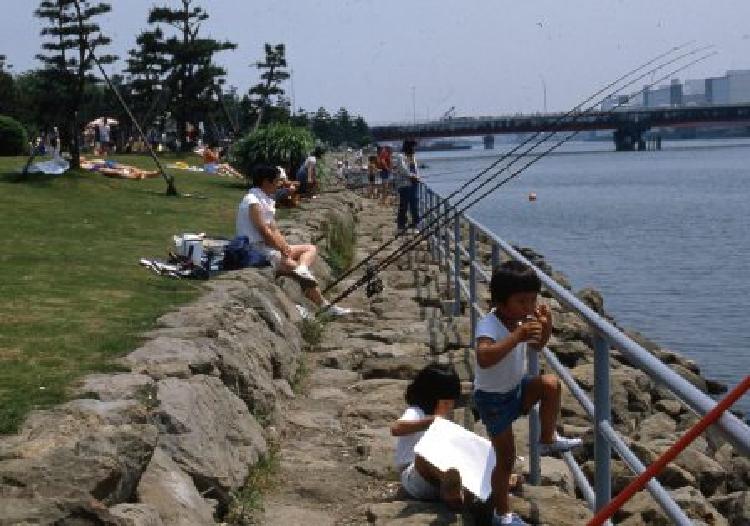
(512,277)
(263,173)
(433,383)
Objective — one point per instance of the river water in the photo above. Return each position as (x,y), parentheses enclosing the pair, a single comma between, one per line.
(663,235)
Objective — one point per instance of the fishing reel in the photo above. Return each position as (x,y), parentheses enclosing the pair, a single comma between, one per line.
(374,283)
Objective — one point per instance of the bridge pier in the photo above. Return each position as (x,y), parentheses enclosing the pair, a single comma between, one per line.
(489,142)
(630,139)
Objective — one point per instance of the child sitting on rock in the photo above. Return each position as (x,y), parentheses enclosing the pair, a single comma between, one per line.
(502,391)
(433,393)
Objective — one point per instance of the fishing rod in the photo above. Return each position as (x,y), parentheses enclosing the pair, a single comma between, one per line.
(574,111)
(405,248)
(508,154)
(409,245)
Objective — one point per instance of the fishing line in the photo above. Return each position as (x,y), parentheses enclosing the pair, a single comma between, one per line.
(436,224)
(573,112)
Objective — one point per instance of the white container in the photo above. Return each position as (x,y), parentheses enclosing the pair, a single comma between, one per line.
(184,242)
(196,247)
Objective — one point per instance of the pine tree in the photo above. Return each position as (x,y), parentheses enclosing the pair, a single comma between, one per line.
(193,76)
(146,67)
(72,36)
(273,74)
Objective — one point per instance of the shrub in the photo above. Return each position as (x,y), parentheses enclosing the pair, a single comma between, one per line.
(13,138)
(276,144)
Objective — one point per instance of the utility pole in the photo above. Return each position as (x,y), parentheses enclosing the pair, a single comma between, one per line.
(544,91)
(414,104)
(291,80)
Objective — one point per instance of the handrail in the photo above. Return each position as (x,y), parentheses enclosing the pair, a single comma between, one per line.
(447,246)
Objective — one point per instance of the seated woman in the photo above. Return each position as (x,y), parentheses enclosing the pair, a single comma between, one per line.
(255,219)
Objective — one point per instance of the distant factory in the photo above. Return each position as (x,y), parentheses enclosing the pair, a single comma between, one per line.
(732,88)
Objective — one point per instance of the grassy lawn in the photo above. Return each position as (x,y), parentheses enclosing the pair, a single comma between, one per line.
(73,295)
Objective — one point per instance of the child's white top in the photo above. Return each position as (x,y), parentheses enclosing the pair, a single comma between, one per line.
(508,372)
(406,443)
(245,227)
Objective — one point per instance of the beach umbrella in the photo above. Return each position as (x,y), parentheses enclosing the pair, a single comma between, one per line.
(100,122)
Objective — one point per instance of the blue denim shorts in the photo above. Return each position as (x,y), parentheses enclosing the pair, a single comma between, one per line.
(499,410)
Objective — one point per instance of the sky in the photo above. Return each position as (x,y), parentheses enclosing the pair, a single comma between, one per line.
(392,60)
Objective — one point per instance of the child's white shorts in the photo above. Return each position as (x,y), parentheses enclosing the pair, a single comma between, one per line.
(416,486)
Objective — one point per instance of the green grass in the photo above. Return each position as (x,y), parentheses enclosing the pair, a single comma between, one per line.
(73,295)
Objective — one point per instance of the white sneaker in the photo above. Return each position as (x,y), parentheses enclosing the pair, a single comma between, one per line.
(335,310)
(305,274)
(559,445)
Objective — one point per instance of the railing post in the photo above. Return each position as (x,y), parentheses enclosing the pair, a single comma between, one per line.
(456,265)
(602,413)
(535,461)
(495,256)
(472,282)
(447,249)
(432,226)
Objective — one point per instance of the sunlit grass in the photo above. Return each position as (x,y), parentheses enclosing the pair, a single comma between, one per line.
(73,296)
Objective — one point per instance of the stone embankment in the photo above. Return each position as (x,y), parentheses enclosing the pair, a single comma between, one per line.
(229,380)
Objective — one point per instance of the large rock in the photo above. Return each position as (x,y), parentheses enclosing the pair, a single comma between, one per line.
(548,505)
(165,488)
(15,511)
(209,433)
(412,513)
(571,352)
(735,507)
(656,426)
(75,450)
(163,357)
(137,514)
(110,387)
(401,368)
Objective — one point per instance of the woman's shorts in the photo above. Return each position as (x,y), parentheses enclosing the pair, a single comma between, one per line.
(416,485)
(273,256)
(385,175)
(499,410)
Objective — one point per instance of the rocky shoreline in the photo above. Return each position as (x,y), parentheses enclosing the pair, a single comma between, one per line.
(225,379)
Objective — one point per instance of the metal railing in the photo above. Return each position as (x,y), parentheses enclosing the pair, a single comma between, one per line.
(452,251)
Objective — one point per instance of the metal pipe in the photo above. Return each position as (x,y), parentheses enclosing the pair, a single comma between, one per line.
(457,266)
(654,469)
(535,461)
(579,478)
(602,415)
(473,283)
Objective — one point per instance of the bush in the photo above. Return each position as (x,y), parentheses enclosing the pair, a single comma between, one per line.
(13,138)
(276,144)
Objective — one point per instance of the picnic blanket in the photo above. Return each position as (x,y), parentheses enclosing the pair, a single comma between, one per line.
(56,166)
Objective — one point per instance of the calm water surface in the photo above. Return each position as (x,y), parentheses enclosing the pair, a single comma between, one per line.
(663,235)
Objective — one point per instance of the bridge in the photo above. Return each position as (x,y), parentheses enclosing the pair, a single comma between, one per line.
(629,125)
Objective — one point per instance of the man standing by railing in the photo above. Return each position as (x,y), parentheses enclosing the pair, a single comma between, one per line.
(407,185)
